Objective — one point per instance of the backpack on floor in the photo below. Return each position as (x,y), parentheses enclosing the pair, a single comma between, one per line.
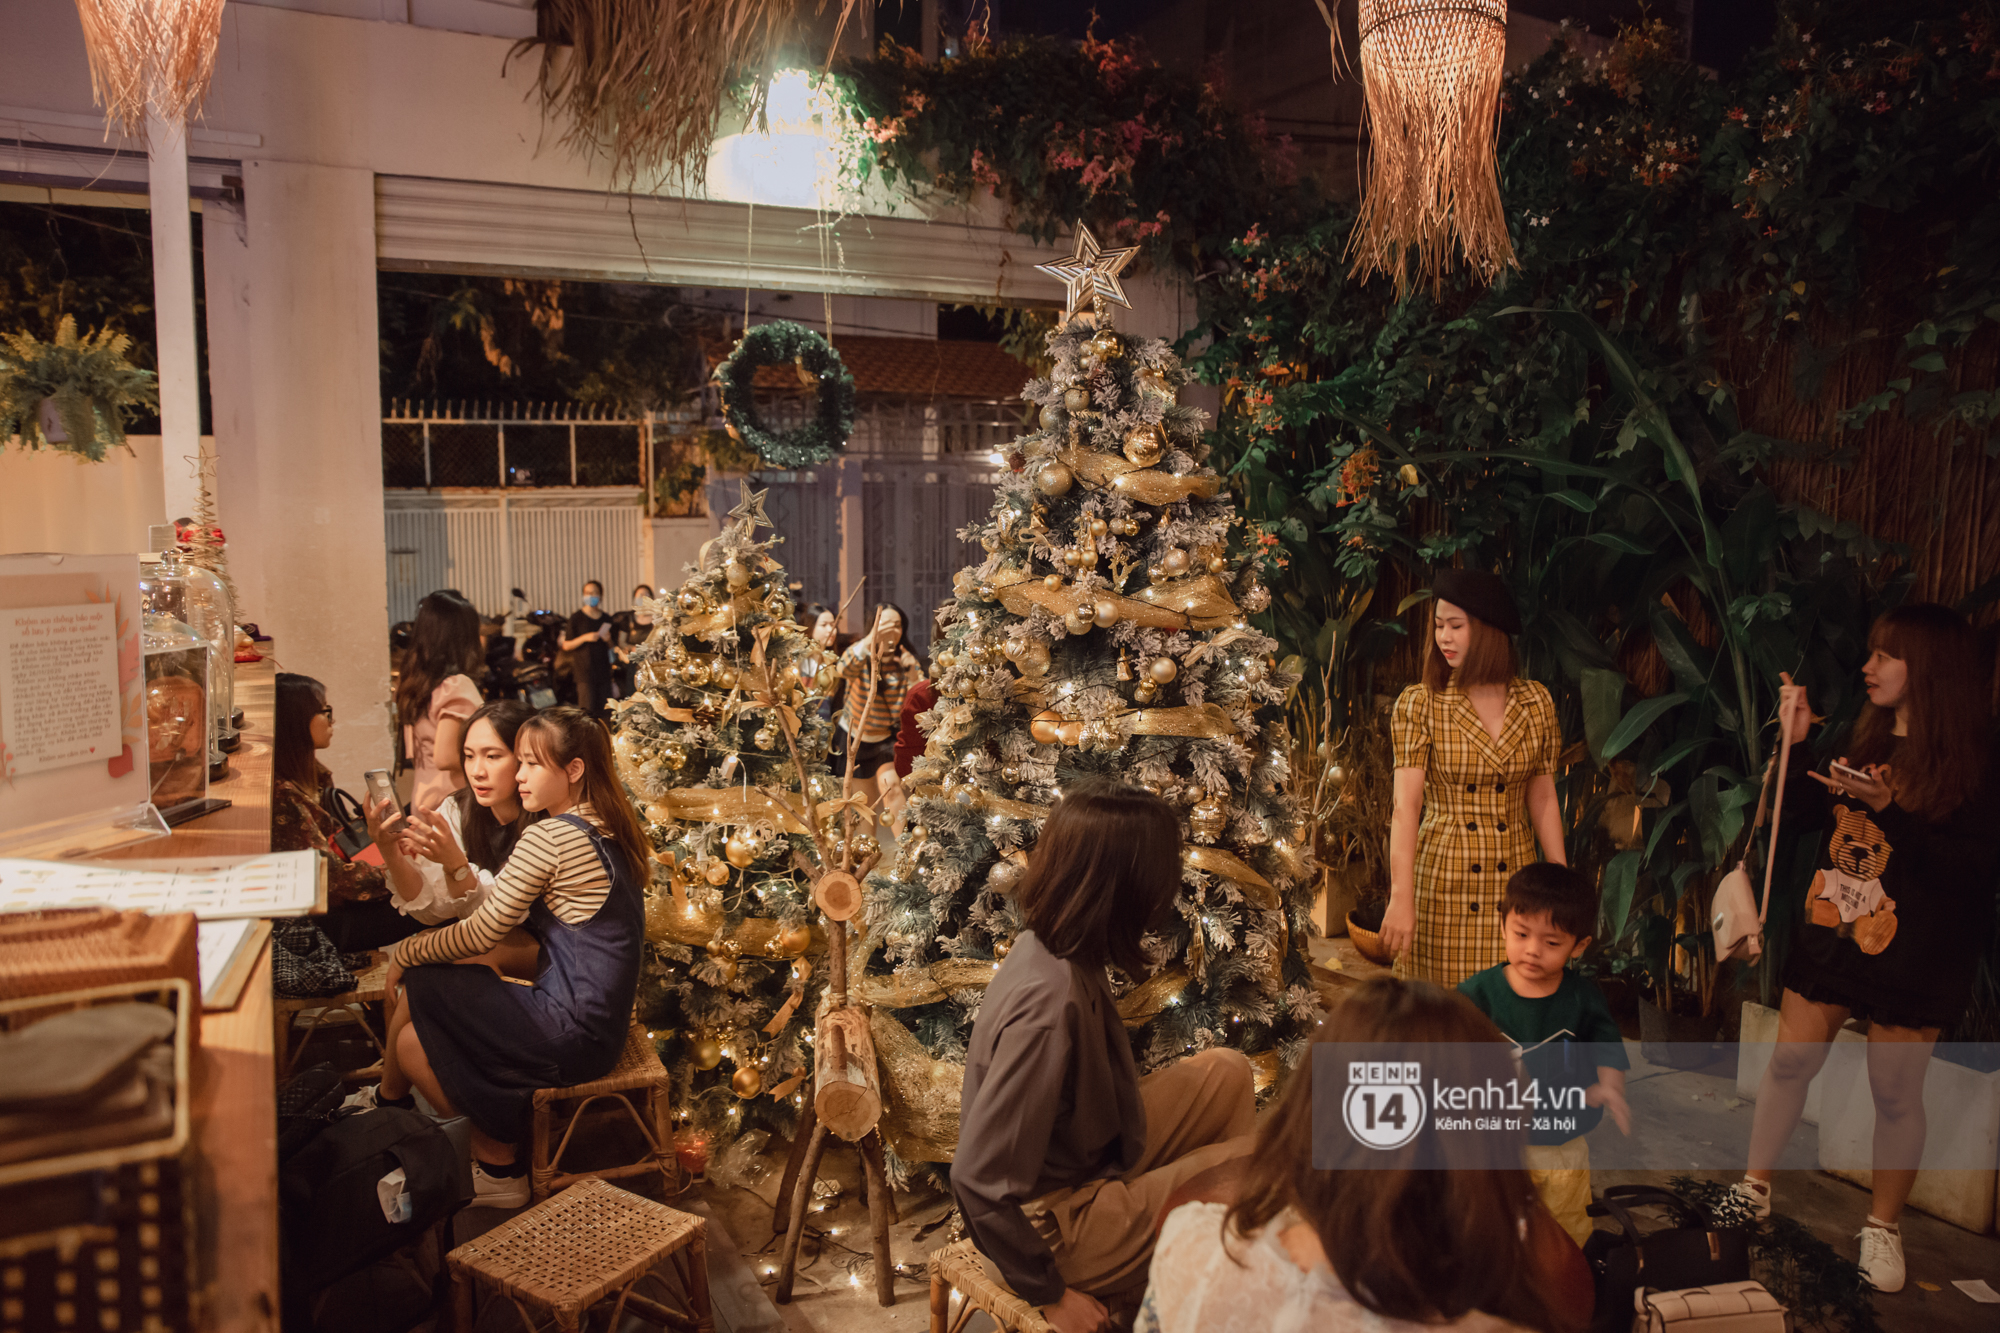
(330,1210)
(1673,1258)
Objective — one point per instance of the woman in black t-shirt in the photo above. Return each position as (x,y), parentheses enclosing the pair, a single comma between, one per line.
(1901,905)
(588,641)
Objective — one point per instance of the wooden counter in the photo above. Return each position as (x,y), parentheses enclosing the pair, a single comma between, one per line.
(235,1122)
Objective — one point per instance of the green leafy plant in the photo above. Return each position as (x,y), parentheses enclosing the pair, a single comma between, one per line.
(87,380)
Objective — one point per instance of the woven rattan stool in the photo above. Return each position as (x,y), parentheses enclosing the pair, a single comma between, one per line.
(956,1267)
(566,1254)
(371,987)
(638,1071)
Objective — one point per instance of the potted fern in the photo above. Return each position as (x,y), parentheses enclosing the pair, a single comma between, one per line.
(71,394)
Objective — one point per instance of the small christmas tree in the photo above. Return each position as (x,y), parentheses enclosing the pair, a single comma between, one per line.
(1104,635)
(724,754)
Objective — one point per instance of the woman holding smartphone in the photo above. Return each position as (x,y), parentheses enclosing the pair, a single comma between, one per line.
(1902,903)
(587,640)
(442,862)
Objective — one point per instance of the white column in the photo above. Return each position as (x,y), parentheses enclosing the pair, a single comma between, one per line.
(297,404)
(173,314)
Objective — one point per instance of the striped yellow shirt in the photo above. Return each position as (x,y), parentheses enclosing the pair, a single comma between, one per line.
(885,713)
(554,860)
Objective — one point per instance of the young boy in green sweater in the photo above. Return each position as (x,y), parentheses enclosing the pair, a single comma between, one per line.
(1561,1028)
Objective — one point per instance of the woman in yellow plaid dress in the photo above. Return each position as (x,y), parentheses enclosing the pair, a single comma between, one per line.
(1476,754)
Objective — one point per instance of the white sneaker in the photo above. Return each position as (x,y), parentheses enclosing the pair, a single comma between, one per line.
(500,1191)
(366,1099)
(1882,1258)
(1755,1195)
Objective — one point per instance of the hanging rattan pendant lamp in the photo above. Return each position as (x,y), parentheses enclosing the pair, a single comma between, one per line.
(1430,72)
(154,54)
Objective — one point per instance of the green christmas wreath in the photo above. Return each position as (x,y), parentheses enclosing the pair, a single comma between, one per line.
(782,343)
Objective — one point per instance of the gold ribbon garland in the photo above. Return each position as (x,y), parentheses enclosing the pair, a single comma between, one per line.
(1145,484)
(1202,600)
(1144,1001)
(1211,860)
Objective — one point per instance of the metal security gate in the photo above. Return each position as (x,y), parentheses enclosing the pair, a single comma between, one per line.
(485,498)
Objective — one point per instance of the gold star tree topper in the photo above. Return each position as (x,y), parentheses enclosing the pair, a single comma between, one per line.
(749,510)
(1091,272)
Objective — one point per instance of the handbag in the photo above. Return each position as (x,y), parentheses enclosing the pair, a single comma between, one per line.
(1675,1258)
(1728,1307)
(1736,918)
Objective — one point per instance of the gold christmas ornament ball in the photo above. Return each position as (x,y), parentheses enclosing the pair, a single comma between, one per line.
(1051,417)
(794,940)
(742,848)
(1143,446)
(659,813)
(725,967)
(675,757)
(1071,732)
(1175,563)
(1098,527)
(746,1083)
(1145,692)
(1001,948)
(1046,727)
(766,738)
(1010,774)
(691,601)
(1079,621)
(715,872)
(1054,479)
(1217,565)
(1106,346)
(1162,670)
(1075,399)
(1208,817)
(723,673)
(1106,613)
(1154,379)
(1003,877)
(707,1053)
(737,574)
(1052,580)
(696,673)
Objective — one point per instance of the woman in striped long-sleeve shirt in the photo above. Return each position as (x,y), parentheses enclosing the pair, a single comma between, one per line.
(879,671)
(478,1045)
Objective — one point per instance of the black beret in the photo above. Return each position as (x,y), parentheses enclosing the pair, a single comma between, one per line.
(1480,594)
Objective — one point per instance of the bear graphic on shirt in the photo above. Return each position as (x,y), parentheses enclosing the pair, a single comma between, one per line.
(1847,896)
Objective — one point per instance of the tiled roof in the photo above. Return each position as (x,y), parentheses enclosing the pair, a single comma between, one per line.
(917,368)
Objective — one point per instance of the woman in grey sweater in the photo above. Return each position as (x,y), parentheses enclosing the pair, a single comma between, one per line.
(1065,1155)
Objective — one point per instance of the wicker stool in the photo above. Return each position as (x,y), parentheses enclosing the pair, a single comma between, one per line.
(371,987)
(566,1254)
(638,1070)
(956,1267)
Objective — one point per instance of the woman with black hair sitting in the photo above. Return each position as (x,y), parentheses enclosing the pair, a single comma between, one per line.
(1065,1154)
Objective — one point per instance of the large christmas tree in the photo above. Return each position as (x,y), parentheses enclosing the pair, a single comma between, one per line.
(714,748)
(1104,635)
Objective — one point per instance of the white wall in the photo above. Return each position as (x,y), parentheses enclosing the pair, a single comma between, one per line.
(56,501)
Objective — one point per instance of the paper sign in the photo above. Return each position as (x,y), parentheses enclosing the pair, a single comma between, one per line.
(59,685)
(281,884)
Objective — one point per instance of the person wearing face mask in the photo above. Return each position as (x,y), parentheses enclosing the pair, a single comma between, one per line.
(1475,789)
(878,671)
(630,628)
(1902,904)
(588,641)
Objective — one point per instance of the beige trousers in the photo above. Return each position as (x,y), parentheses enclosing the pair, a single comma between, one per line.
(1561,1175)
(1200,1112)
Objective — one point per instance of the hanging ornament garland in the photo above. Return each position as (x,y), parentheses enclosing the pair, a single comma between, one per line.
(1431,75)
(818,366)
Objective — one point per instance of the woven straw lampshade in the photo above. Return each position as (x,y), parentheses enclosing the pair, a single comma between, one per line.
(157,52)
(1431,70)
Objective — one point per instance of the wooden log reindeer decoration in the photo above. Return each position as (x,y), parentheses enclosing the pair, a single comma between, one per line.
(847,1091)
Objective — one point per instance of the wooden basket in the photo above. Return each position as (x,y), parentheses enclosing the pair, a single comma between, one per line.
(106,1236)
(75,948)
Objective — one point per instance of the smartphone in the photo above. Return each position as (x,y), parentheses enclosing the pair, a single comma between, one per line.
(1840,770)
(380,788)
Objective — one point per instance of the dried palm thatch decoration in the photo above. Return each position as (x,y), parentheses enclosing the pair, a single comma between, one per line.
(1430,71)
(150,52)
(642,81)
